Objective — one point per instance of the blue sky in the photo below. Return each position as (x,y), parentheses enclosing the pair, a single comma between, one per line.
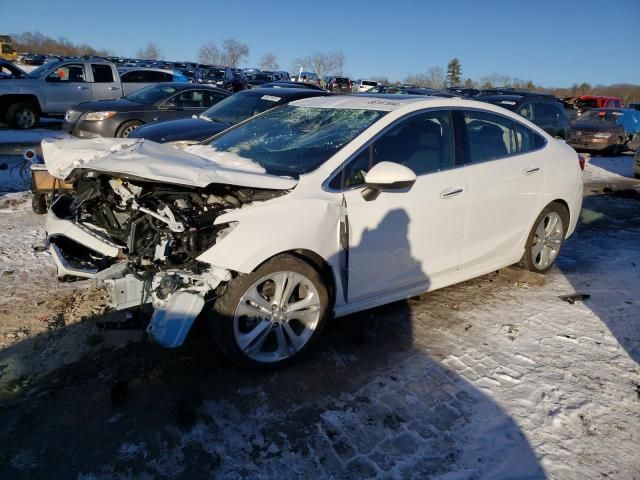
(553,43)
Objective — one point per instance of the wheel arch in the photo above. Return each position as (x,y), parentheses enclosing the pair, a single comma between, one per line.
(316,261)
(7,100)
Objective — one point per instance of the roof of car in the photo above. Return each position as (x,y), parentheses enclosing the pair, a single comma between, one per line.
(285,92)
(190,86)
(382,102)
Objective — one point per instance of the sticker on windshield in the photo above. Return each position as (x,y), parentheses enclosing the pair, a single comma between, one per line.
(507,102)
(271,98)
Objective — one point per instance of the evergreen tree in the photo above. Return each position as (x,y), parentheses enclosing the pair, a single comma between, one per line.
(454,72)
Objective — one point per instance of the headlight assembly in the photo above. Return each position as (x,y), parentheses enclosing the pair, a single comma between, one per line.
(98,116)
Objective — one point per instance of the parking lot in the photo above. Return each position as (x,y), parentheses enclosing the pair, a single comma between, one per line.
(490,378)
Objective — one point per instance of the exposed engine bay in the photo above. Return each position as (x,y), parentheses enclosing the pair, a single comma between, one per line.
(141,240)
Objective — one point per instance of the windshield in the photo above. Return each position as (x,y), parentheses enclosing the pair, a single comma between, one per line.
(601,116)
(41,70)
(151,95)
(294,140)
(216,74)
(508,104)
(262,77)
(239,107)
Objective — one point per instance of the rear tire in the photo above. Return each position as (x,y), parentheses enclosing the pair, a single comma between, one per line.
(545,239)
(23,116)
(127,127)
(271,316)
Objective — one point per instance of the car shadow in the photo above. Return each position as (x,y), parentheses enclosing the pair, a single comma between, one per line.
(609,229)
(370,400)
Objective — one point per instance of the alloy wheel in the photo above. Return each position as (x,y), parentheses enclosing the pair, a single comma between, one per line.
(277,316)
(25,118)
(547,240)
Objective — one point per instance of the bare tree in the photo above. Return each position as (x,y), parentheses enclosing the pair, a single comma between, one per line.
(150,52)
(210,54)
(322,63)
(234,52)
(268,62)
(434,77)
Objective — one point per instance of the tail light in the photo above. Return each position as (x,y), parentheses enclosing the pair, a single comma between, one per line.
(582,160)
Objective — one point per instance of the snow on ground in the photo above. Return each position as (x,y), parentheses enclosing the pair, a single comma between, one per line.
(34,136)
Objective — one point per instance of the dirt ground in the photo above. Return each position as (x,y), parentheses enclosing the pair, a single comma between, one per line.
(491,378)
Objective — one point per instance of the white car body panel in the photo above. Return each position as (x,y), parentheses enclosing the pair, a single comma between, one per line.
(403,243)
(149,160)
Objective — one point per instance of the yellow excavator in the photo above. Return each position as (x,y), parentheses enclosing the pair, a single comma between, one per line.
(7,52)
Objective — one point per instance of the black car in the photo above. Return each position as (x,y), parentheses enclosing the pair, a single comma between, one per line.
(464,91)
(338,84)
(543,110)
(221,116)
(284,84)
(223,77)
(33,59)
(256,79)
(120,117)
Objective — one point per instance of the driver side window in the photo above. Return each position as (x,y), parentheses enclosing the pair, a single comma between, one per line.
(70,73)
(423,142)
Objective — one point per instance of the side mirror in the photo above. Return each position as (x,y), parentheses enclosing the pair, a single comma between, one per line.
(169,105)
(387,176)
(53,78)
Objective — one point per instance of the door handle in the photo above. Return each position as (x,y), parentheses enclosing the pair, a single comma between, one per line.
(531,170)
(113,88)
(451,192)
(82,87)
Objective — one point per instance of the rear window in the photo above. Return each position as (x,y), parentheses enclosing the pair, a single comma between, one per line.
(368,83)
(102,73)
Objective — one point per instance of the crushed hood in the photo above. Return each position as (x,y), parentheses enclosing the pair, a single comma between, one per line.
(152,161)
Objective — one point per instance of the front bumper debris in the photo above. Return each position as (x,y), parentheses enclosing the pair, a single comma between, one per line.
(177,296)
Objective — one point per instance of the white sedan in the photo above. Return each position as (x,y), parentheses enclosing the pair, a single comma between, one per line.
(320,208)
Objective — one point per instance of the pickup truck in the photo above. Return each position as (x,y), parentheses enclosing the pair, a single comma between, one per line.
(49,90)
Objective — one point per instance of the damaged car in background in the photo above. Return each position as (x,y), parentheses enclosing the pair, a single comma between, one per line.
(309,210)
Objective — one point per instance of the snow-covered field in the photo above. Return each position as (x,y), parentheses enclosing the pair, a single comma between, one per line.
(491,378)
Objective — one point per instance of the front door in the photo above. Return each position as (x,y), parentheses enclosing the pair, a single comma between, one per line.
(406,238)
(67,85)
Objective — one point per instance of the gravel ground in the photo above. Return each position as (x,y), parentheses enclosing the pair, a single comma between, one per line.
(490,378)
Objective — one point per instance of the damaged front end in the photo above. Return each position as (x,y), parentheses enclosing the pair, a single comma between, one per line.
(141,240)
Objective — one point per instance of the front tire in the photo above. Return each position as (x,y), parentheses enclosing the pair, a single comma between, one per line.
(23,116)
(127,127)
(545,239)
(271,316)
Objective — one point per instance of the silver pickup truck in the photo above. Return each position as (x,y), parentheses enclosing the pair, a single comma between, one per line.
(49,90)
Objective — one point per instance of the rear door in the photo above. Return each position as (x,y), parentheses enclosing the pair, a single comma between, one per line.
(406,238)
(137,79)
(105,83)
(67,85)
(506,177)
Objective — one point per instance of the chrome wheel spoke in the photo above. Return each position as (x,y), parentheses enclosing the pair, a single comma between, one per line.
(253,340)
(257,301)
(297,341)
(537,248)
(304,316)
(308,301)
(283,347)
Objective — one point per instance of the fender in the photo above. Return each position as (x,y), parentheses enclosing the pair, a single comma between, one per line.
(273,227)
